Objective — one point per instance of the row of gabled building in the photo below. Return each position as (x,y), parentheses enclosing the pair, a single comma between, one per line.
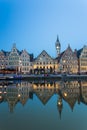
(68,61)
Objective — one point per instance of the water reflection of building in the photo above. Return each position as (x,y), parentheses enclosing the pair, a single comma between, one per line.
(45,91)
(71,92)
(83,90)
(14,93)
(60,105)
(24,89)
(2,92)
(12,96)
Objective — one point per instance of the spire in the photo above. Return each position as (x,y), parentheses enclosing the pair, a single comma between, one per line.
(14,45)
(57,39)
(58,46)
(69,48)
(68,45)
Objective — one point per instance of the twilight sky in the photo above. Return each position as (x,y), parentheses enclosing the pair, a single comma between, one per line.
(34,24)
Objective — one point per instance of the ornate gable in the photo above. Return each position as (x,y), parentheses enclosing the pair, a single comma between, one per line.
(84,52)
(24,54)
(68,52)
(83,60)
(14,51)
(44,56)
(68,61)
(69,55)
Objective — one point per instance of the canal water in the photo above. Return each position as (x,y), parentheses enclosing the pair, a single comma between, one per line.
(43,105)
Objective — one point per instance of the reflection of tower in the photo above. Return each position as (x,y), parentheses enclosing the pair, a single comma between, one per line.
(58,46)
(60,105)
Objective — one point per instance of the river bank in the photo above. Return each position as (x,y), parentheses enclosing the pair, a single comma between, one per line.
(42,76)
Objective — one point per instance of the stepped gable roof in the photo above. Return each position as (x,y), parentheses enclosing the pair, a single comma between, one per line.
(65,52)
(31,55)
(68,49)
(24,51)
(14,46)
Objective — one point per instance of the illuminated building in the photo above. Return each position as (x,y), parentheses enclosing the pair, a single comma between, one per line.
(20,60)
(83,60)
(3,59)
(44,63)
(14,59)
(68,61)
(25,59)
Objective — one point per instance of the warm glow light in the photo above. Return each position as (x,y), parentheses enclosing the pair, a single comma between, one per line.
(0,97)
(64,61)
(34,87)
(19,95)
(65,94)
(5,92)
(0,91)
(59,103)
(5,86)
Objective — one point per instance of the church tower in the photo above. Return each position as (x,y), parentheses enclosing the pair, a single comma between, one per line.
(58,46)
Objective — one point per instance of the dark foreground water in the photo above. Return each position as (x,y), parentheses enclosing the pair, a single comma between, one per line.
(43,105)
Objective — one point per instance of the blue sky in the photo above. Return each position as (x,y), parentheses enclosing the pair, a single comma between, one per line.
(34,24)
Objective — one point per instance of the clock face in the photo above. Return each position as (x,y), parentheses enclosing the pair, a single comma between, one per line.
(57,47)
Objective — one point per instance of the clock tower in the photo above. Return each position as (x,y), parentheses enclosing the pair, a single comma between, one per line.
(58,46)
